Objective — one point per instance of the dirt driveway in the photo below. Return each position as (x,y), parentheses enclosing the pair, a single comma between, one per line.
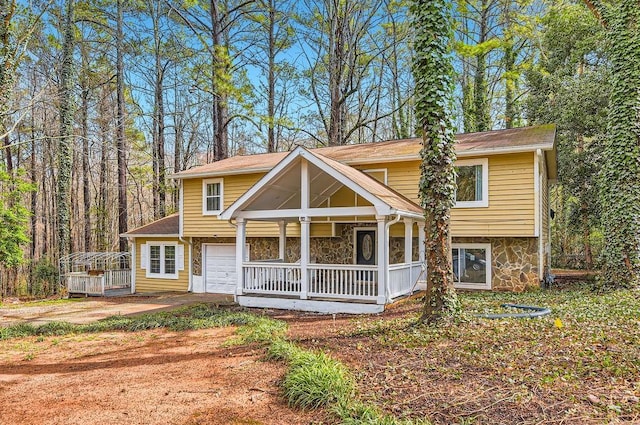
(149,377)
(88,310)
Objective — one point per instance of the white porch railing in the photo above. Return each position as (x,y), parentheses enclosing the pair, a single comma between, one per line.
(403,277)
(272,278)
(343,281)
(82,283)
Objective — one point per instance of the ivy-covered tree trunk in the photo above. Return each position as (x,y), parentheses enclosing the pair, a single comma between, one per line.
(620,176)
(65,143)
(7,71)
(433,90)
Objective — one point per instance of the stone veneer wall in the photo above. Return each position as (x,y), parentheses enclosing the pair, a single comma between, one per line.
(325,250)
(514,262)
(259,249)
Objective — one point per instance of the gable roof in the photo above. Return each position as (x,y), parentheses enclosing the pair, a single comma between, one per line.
(524,139)
(381,191)
(167,226)
(384,199)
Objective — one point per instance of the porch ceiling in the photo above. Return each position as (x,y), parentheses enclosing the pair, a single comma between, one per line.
(284,191)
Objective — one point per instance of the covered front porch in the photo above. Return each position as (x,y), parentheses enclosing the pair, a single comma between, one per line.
(308,192)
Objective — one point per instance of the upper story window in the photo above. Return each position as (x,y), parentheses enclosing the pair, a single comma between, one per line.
(212,196)
(473,183)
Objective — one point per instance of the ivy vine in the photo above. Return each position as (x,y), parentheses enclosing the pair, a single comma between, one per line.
(433,72)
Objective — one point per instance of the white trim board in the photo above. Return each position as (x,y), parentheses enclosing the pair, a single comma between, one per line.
(326,307)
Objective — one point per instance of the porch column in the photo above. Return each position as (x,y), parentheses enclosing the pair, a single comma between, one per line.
(304,256)
(240,244)
(421,249)
(383,261)
(408,240)
(282,252)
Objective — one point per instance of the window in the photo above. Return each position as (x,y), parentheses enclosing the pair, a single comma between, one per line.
(471,266)
(379,174)
(212,200)
(473,183)
(162,259)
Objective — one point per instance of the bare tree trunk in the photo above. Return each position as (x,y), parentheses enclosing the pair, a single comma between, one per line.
(103,194)
(159,183)
(481,95)
(34,195)
(271,83)
(336,64)
(220,97)
(509,66)
(120,135)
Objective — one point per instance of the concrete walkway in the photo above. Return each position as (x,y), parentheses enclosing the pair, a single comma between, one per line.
(86,310)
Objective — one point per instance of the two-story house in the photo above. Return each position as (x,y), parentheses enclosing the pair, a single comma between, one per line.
(340,229)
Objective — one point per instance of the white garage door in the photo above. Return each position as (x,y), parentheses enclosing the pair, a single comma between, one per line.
(220,269)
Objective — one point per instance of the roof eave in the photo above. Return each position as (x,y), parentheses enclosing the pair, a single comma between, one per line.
(180,176)
(149,235)
(363,161)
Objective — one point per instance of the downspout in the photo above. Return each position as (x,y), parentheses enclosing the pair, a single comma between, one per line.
(386,250)
(132,241)
(540,213)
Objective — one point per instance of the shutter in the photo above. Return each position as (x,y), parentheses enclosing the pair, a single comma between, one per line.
(180,257)
(144,255)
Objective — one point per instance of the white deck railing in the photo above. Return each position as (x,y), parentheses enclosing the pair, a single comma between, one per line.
(343,281)
(83,283)
(403,278)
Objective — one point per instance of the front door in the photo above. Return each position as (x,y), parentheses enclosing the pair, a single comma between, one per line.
(366,247)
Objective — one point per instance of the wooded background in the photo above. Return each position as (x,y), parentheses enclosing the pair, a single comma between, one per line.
(102,100)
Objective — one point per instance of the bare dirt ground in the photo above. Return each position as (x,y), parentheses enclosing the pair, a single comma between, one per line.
(151,377)
(189,378)
(86,310)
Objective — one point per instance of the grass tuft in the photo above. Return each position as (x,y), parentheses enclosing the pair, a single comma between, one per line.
(315,380)
(201,316)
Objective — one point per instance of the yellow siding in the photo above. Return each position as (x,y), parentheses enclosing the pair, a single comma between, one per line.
(511,196)
(510,211)
(321,230)
(344,197)
(145,284)
(198,225)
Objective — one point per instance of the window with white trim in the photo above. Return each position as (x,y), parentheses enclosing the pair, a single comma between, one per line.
(162,259)
(471,265)
(472,183)
(212,196)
